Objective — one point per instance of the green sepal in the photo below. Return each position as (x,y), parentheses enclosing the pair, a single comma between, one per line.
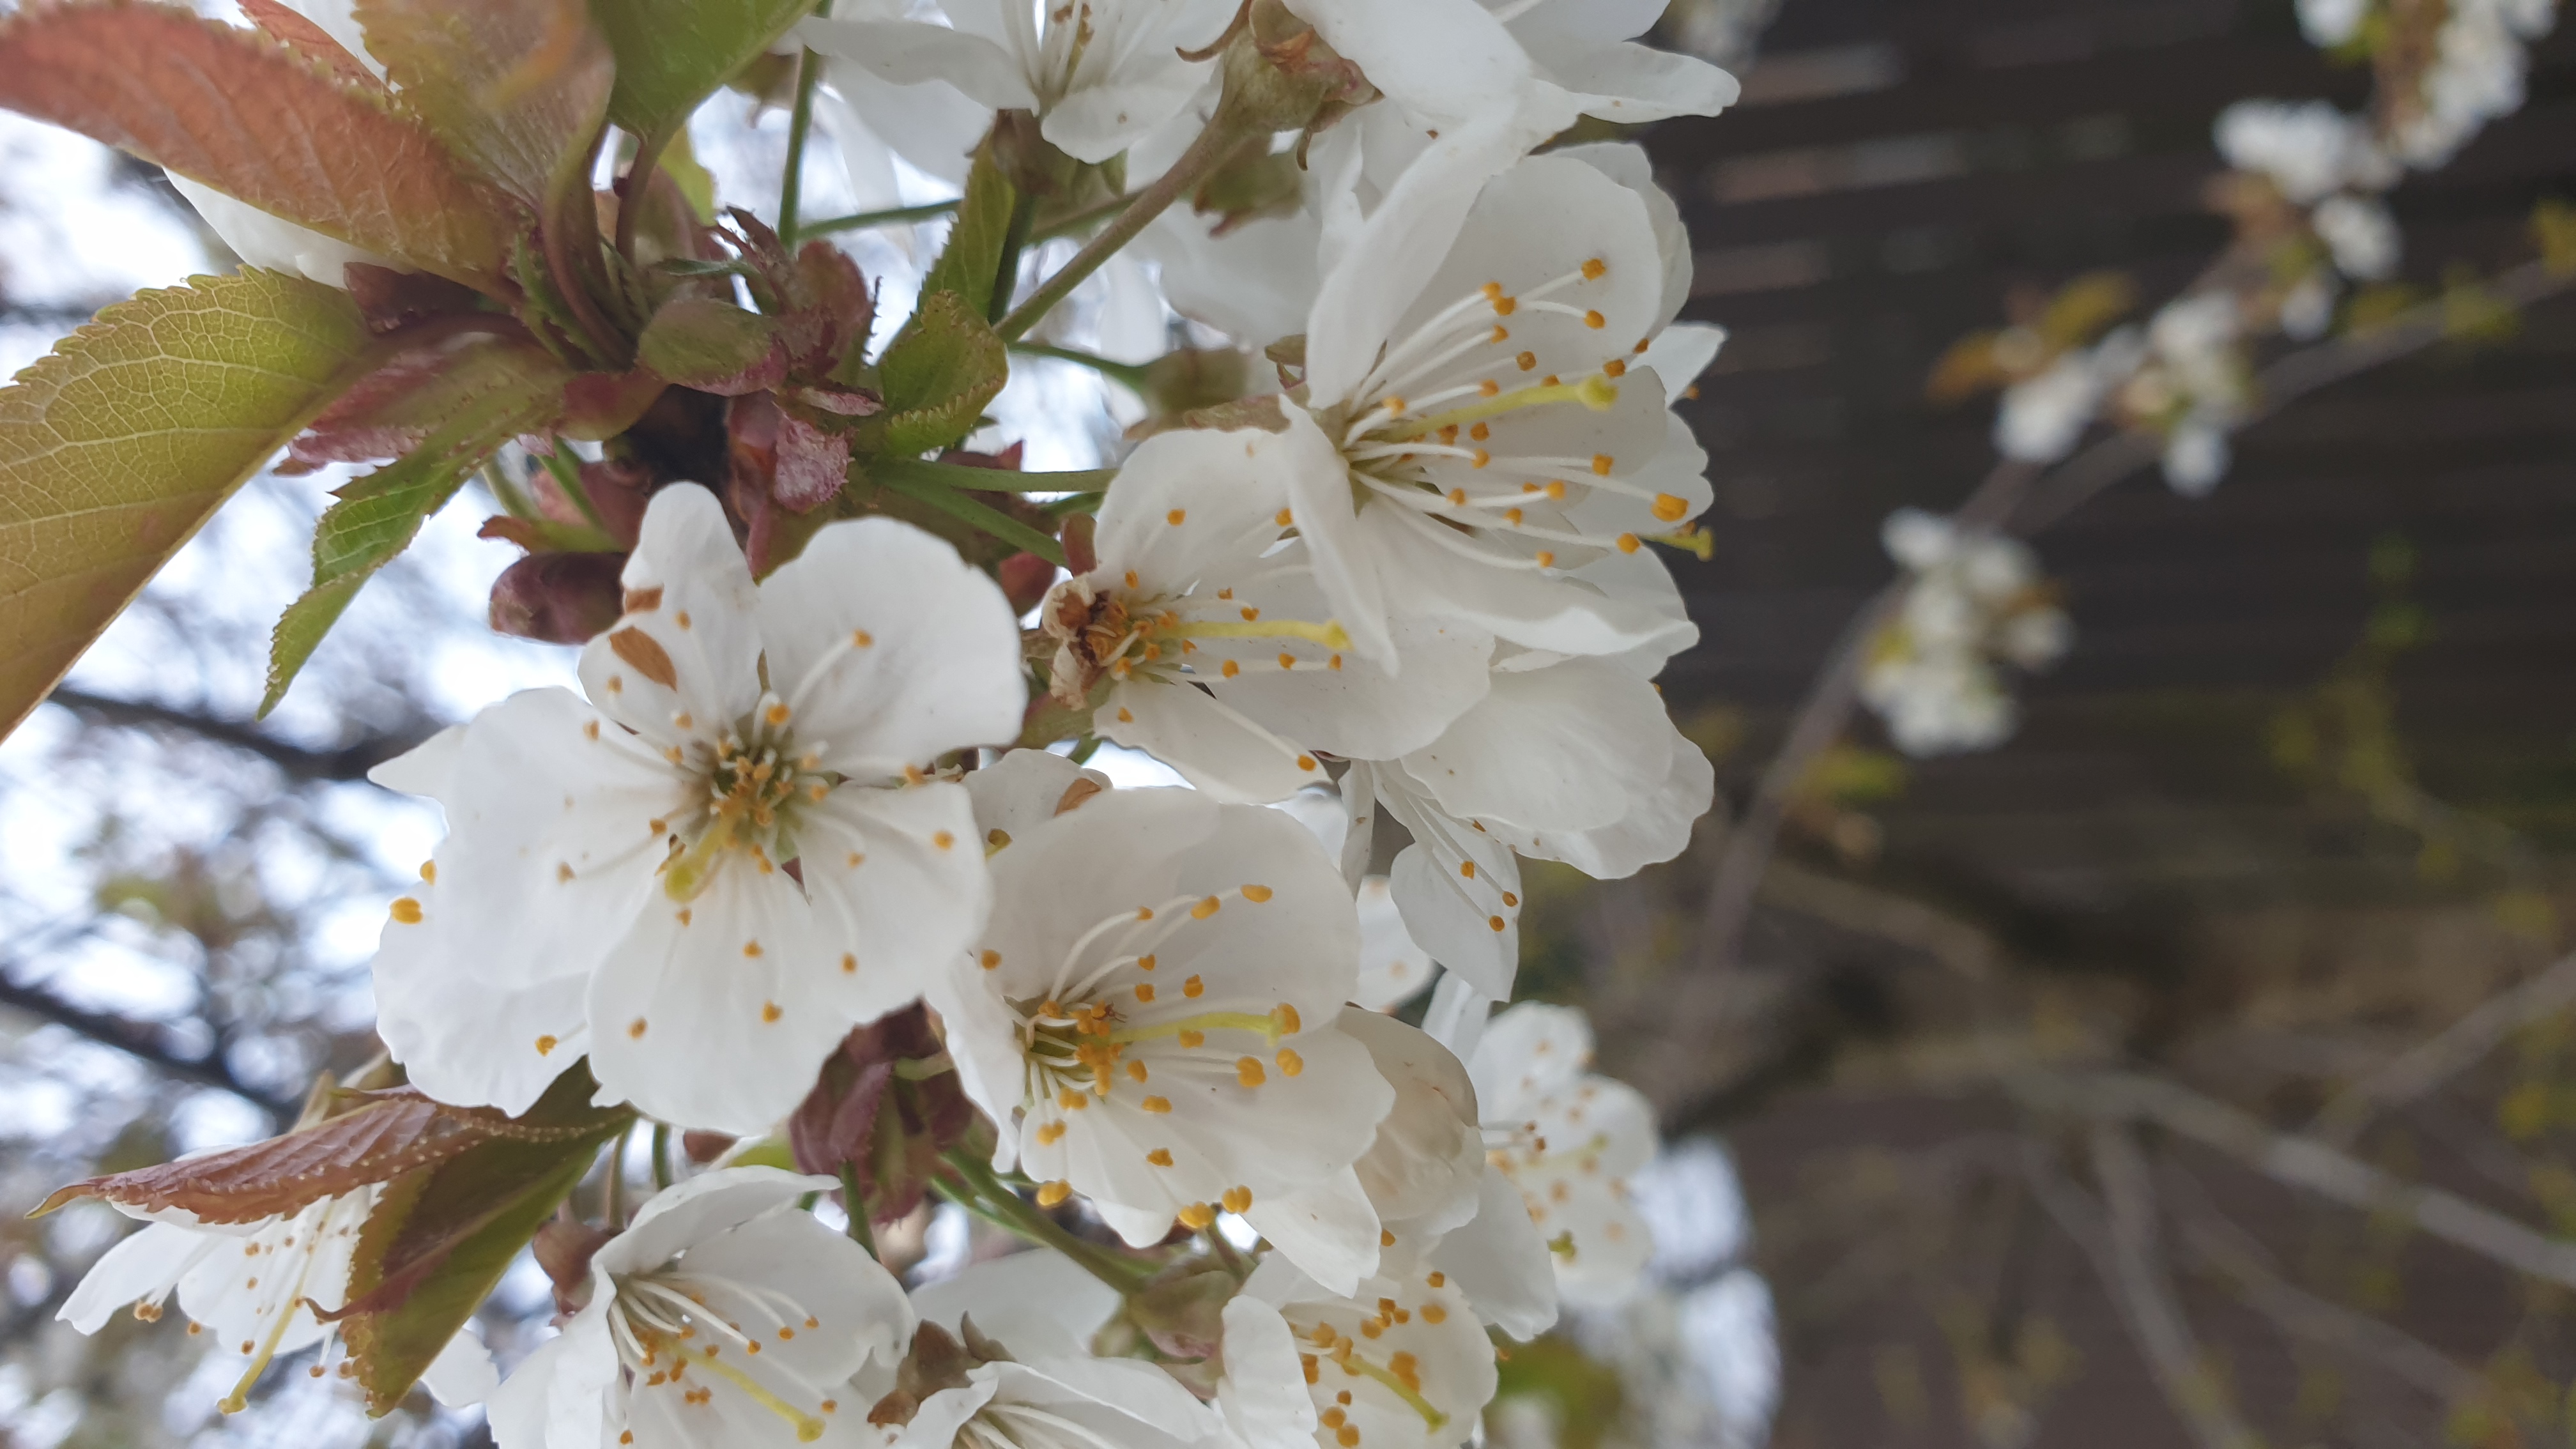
(937,375)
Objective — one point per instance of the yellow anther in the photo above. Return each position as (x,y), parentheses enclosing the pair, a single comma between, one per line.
(1124,717)
(1145,963)
(1198,1215)
(1237,1199)
(1160,1157)
(769,1011)
(1049,1194)
(1595,321)
(1546,559)
(1286,1016)
(1194,988)
(1192,1039)
(1496,922)
(943,839)
(1627,543)
(1457,497)
(1287,660)
(1290,1064)
(1556,490)
(1670,508)
(1257,894)
(1229,669)
(1615,367)
(1200,912)
(1602,463)
(1050,1133)
(1336,662)
(861,639)
(429,868)
(1488,388)
(1175,517)
(1510,900)
(1136,1071)
(1527,361)
(1284,517)
(1156,1104)
(406,910)
(776,714)
(1071,1101)
(1479,458)
(1306,762)
(546,1044)
(1145,992)
(1512,516)
(1434,1313)
(1248,1072)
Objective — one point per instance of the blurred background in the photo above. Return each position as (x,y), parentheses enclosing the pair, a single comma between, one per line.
(2196,1067)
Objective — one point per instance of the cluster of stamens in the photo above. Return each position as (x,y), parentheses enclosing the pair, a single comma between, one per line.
(1353,1354)
(656,1328)
(755,778)
(1433,398)
(1119,632)
(1078,1043)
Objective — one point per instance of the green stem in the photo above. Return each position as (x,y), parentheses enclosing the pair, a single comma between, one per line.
(1100,211)
(1131,374)
(976,515)
(1015,239)
(1215,146)
(661,1156)
(612,1192)
(800,124)
(639,175)
(990,480)
(858,1210)
(860,221)
(1006,1209)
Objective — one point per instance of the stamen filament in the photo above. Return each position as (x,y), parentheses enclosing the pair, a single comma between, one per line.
(1596,392)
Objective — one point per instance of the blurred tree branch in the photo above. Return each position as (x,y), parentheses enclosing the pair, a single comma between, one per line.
(144,1042)
(350,762)
(2458,1047)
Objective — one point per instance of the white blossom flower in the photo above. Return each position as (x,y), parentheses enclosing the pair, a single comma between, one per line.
(252,1287)
(1467,440)
(1151,1019)
(2361,234)
(2043,416)
(1396,1364)
(617,875)
(1216,648)
(720,1316)
(1975,598)
(2480,59)
(2329,23)
(1050,1393)
(1569,1140)
(1098,73)
(2309,150)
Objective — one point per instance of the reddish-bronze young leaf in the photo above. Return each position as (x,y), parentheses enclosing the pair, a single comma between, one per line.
(309,40)
(518,87)
(251,118)
(397,1132)
(440,1239)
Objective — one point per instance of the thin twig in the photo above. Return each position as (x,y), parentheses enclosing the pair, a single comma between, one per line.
(349,762)
(2155,1313)
(143,1041)
(1215,146)
(2449,1052)
(2308,1164)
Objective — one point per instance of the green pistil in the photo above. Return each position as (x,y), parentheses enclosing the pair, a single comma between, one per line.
(1595,392)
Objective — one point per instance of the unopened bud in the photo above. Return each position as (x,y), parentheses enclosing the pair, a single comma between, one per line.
(1281,76)
(563,1247)
(561,598)
(1025,580)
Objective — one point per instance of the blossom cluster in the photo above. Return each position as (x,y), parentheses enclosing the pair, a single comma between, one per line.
(2307,193)
(799,809)
(1975,601)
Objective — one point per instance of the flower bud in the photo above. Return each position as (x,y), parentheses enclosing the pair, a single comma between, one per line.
(1281,76)
(884,1107)
(561,598)
(1025,580)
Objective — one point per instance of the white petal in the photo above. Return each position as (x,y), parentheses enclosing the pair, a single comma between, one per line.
(462,1373)
(1097,122)
(702,1207)
(1529,1053)
(1429,1154)
(933,125)
(263,240)
(716,1014)
(425,768)
(690,600)
(467,1042)
(1214,746)
(1501,1262)
(1446,61)
(1319,489)
(1575,746)
(1037,1304)
(1026,788)
(1656,828)
(1163,521)
(905,52)
(890,650)
(1393,970)
(558,1396)
(1263,1394)
(892,906)
(1631,84)
(783,1257)
(1329,1229)
(1354,708)
(1681,352)
(144,1266)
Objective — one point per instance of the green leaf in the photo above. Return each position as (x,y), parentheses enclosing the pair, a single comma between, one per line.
(256,120)
(703,343)
(518,87)
(117,446)
(938,374)
(440,1239)
(516,389)
(672,54)
(970,265)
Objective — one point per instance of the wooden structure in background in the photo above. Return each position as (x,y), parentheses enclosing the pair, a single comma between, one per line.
(1897,171)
